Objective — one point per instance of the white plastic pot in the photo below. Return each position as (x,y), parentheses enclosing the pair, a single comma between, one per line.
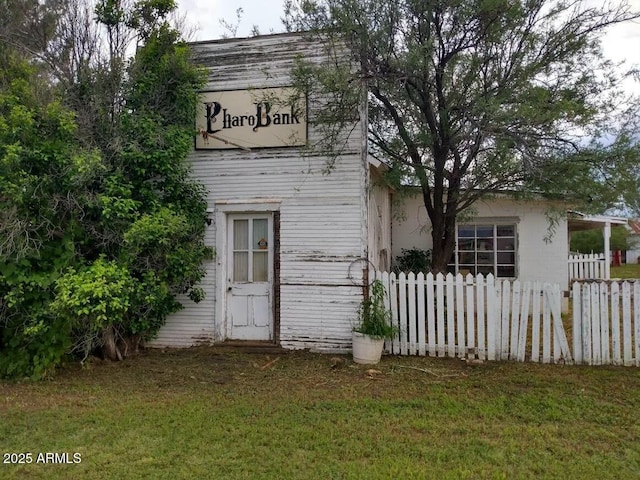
(367,350)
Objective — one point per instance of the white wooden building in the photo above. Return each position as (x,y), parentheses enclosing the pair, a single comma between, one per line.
(293,244)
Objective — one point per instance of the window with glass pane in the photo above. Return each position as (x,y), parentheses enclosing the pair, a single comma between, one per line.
(241,250)
(485,249)
(260,247)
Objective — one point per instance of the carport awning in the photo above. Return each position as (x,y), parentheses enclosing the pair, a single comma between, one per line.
(579,221)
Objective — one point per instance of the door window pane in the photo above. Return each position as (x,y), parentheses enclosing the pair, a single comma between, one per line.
(260,266)
(240,235)
(240,266)
(260,234)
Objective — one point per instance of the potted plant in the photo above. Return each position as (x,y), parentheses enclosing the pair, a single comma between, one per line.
(374,326)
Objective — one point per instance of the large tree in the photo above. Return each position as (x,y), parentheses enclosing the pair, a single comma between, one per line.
(466,97)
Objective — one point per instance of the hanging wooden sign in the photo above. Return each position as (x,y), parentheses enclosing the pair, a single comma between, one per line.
(255,118)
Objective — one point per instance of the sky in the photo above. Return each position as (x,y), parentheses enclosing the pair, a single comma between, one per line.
(620,43)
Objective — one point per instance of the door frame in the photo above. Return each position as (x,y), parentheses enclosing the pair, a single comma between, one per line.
(223,209)
(252,285)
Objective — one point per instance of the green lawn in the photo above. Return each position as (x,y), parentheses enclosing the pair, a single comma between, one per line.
(631,270)
(211,413)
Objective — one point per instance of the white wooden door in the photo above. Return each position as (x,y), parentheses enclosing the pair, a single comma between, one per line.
(250,277)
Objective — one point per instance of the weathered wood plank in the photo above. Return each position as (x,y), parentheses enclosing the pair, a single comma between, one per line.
(470,314)
(535,323)
(422,337)
(577,322)
(431,318)
(626,324)
(616,345)
(504,331)
(441,315)
(402,294)
(523,328)
(460,327)
(413,314)
(493,319)
(481,295)
(451,337)
(515,320)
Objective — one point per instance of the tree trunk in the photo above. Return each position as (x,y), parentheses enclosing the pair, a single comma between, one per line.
(110,348)
(443,235)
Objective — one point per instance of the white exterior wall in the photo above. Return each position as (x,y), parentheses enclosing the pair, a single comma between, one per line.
(536,259)
(323,226)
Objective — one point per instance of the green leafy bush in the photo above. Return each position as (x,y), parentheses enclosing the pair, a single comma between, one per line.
(414,260)
(92,299)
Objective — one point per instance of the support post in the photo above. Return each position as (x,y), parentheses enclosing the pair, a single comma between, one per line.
(606,232)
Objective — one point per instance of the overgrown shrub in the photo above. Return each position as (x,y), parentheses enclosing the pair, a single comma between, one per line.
(414,260)
(92,299)
(101,223)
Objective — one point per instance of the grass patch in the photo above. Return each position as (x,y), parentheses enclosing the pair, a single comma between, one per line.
(212,413)
(631,270)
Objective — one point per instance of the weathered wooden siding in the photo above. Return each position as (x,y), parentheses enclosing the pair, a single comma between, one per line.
(322,216)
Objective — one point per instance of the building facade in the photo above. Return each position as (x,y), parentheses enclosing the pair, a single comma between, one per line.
(291,241)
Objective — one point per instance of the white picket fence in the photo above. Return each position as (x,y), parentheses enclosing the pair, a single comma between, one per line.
(606,323)
(475,316)
(489,319)
(591,266)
